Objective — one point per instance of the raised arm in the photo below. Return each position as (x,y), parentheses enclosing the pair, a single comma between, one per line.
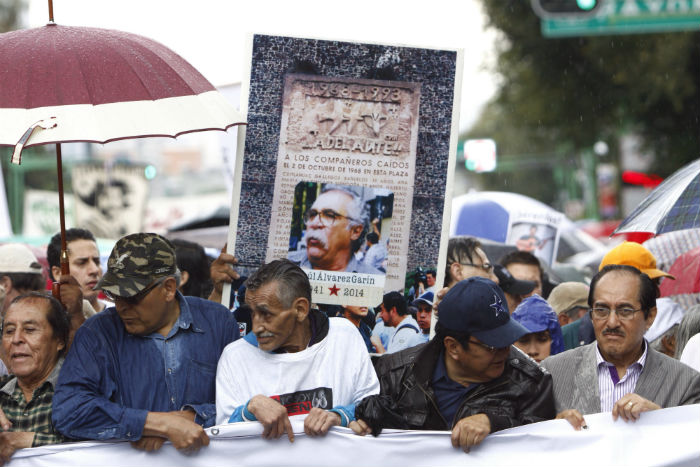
(222,272)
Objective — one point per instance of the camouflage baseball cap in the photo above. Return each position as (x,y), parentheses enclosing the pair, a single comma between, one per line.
(135,262)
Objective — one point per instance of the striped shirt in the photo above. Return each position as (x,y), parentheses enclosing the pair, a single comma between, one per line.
(35,415)
(611,387)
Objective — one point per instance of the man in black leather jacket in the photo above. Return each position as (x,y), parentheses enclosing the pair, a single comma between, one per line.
(468,378)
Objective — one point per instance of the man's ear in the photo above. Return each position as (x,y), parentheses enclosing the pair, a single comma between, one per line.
(652,316)
(184,277)
(170,288)
(456,271)
(451,347)
(56,272)
(6,284)
(669,343)
(356,231)
(301,307)
(393,312)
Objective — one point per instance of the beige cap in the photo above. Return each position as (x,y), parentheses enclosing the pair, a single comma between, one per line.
(567,295)
(18,258)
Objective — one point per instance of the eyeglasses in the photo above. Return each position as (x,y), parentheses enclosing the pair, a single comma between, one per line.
(327,217)
(135,299)
(488,267)
(487,347)
(624,313)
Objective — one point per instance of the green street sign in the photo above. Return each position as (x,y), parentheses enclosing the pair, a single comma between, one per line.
(628,17)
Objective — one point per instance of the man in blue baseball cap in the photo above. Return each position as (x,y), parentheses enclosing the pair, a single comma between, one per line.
(545,337)
(468,378)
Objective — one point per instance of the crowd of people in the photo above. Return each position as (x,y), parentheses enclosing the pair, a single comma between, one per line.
(145,352)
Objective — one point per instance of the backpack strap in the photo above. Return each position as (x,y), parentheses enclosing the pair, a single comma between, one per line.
(407,325)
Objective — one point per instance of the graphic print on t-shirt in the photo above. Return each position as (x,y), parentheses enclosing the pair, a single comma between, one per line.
(301,402)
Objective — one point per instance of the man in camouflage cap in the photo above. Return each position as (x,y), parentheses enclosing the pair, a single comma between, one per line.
(135,262)
(144,370)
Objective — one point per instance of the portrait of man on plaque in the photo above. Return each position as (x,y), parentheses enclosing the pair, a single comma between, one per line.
(340,228)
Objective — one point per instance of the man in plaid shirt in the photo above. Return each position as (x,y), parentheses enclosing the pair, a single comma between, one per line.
(35,332)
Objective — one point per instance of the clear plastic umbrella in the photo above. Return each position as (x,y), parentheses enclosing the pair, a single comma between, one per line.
(673,205)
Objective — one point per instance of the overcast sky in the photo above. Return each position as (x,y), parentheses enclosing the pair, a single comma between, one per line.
(211,34)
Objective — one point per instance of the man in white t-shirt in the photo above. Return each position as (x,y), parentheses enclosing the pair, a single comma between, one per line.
(295,361)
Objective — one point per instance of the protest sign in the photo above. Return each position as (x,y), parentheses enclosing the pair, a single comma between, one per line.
(110,202)
(367,125)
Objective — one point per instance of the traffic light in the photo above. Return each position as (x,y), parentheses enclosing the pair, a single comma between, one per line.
(562,8)
(480,155)
(150,172)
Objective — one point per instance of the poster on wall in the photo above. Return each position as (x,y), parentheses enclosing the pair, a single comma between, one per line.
(345,162)
(110,202)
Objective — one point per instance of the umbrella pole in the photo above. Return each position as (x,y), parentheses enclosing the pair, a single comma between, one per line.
(65,268)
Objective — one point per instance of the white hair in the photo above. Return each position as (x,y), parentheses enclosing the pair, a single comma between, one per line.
(357,211)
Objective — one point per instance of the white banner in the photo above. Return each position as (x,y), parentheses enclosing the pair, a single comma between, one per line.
(666,437)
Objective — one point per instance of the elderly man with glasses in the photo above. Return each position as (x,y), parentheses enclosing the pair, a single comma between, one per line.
(620,372)
(335,227)
(144,370)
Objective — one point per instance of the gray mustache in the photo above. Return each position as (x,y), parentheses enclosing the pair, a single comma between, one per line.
(266,334)
(316,236)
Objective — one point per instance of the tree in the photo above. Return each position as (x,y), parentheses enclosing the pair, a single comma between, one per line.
(559,95)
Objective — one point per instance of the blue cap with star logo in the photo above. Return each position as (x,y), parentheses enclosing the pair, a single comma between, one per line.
(478,307)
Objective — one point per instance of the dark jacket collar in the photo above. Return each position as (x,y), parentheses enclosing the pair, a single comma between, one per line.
(425,362)
(319,326)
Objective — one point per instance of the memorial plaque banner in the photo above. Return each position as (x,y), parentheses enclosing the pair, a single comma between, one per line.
(345,162)
(347,132)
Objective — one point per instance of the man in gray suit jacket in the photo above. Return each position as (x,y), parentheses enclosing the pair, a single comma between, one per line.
(619,372)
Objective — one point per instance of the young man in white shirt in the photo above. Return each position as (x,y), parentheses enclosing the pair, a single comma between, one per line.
(395,313)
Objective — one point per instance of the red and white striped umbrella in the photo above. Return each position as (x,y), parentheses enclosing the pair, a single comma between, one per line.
(685,290)
(67,84)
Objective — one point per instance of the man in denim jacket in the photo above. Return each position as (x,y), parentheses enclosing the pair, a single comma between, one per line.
(144,370)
